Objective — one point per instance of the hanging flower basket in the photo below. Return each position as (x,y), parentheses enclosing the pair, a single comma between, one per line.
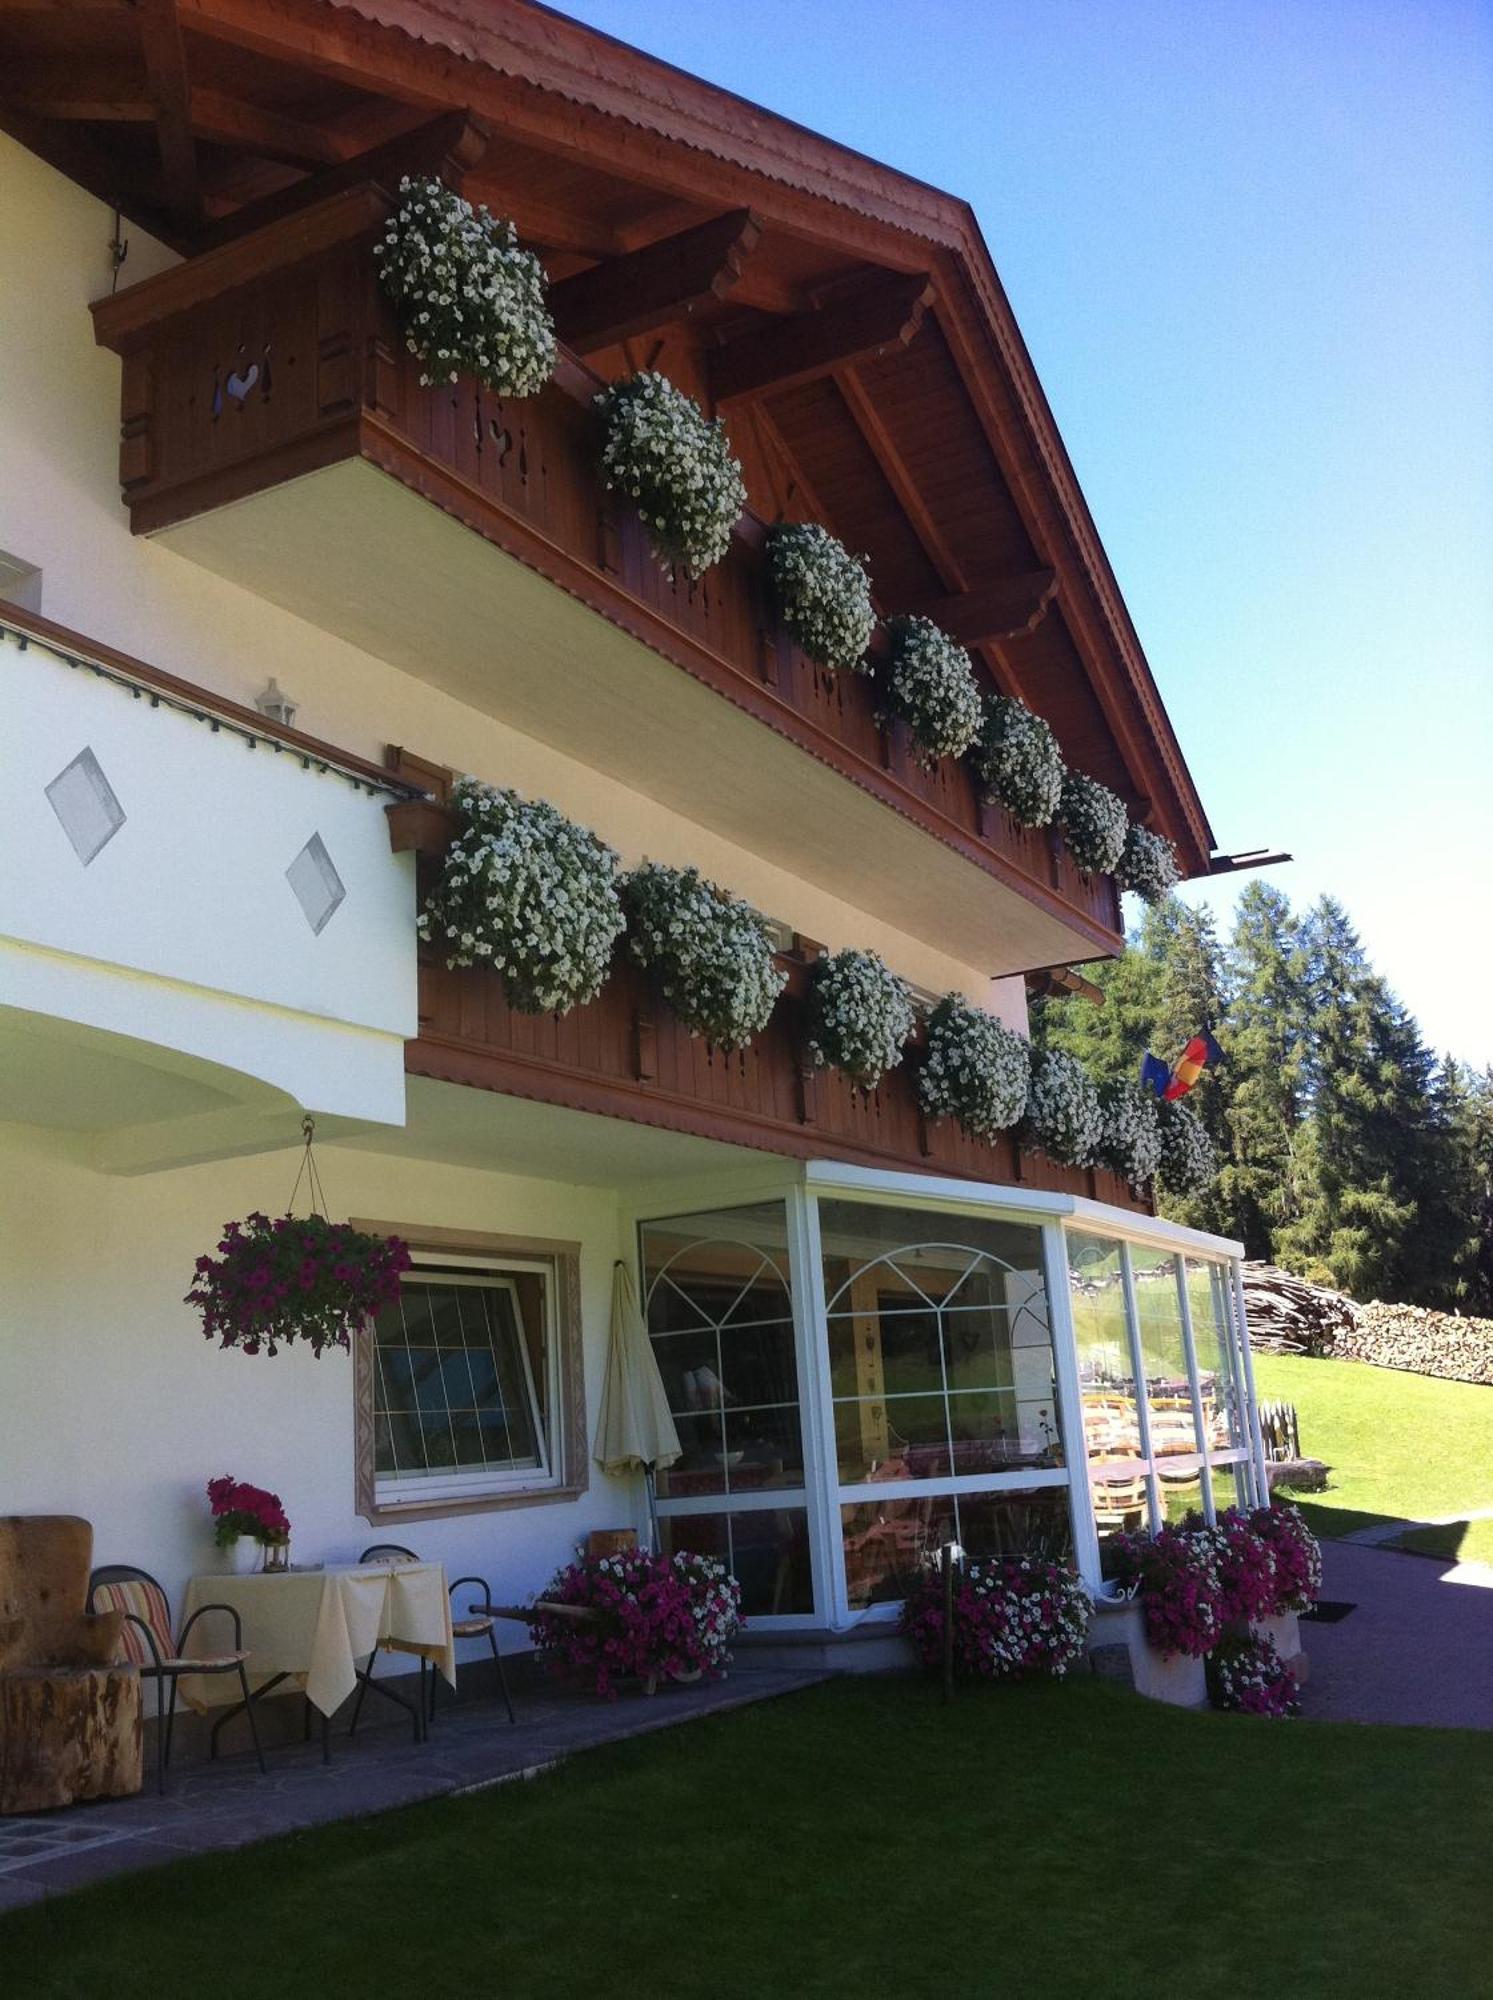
(528,894)
(710,952)
(860,1016)
(1188,1161)
(823,593)
(977,1069)
(1063,1115)
(296,1278)
(1148,865)
(928,683)
(675,464)
(1017,761)
(1129,1132)
(470,301)
(1094,824)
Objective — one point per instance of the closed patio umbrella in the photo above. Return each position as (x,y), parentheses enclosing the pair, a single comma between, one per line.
(635,1432)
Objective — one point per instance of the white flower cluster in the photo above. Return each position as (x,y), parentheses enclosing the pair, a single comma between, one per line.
(1188,1161)
(1148,865)
(823,593)
(977,1069)
(1041,1615)
(715,1605)
(1094,823)
(527,893)
(929,683)
(470,301)
(860,1016)
(665,454)
(1062,1108)
(1129,1132)
(711,953)
(1017,761)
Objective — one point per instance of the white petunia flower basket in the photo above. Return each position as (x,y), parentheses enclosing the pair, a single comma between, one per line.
(977,1070)
(927,681)
(1017,761)
(860,1016)
(470,301)
(1188,1162)
(529,894)
(1062,1111)
(1129,1132)
(710,952)
(822,592)
(1148,865)
(1094,824)
(675,465)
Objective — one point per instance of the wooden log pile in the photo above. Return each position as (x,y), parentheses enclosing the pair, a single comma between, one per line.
(1291,1316)
(1423,1341)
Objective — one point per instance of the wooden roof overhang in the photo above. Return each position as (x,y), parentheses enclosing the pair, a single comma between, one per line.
(847,320)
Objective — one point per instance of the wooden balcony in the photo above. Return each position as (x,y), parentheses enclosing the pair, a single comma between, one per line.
(626,1056)
(274,429)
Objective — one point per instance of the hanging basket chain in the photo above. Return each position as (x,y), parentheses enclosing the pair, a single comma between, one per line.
(315,1192)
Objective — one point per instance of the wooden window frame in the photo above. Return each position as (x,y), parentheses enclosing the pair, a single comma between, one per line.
(562,1261)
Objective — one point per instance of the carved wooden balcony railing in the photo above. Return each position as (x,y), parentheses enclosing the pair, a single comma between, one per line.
(278,354)
(626,1056)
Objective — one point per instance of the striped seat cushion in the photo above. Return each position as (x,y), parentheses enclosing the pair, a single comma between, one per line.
(146,1601)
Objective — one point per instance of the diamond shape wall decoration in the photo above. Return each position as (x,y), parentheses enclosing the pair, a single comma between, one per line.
(85,805)
(317,885)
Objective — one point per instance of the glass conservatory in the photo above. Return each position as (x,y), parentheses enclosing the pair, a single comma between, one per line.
(864,1366)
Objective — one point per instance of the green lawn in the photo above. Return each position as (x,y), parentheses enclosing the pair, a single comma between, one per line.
(856,1839)
(1401,1446)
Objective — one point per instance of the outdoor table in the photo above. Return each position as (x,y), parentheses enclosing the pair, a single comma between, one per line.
(306,1630)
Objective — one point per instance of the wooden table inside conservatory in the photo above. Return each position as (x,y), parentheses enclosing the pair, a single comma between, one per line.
(306,1630)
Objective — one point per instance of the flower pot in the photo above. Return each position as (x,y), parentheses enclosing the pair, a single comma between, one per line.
(244,1556)
(1284,1633)
(1173,1678)
(420,826)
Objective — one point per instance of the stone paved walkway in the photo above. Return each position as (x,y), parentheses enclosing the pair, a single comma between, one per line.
(1418,1647)
(228,1804)
(1391,1531)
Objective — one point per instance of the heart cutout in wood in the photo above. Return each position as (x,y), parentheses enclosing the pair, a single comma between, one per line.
(238,386)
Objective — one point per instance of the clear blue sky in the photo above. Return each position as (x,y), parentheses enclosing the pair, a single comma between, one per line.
(1250,243)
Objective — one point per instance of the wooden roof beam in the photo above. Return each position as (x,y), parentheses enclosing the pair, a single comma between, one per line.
(448,146)
(667,281)
(165,52)
(904,489)
(228,121)
(1007,607)
(853,327)
(77,91)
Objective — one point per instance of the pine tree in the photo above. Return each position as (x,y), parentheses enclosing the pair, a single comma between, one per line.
(1269,1020)
(1363,1159)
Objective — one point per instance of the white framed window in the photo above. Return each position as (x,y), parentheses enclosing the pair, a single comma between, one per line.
(469,1383)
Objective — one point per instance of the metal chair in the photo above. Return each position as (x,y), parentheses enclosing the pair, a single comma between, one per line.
(146,1642)
(474,1623)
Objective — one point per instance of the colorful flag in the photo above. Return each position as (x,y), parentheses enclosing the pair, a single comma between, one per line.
(1170,1084)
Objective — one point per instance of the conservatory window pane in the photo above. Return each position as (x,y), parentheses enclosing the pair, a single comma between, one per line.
(887,1542)
(1106,1377)
(1227,1490)
(1163,1354)
(1181,1493)
(1121,1500)
(940,1349)
(719,1312)
(767,1553)
(1218,1369)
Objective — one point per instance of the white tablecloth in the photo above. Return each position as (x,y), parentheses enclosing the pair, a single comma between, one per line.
(317,1625)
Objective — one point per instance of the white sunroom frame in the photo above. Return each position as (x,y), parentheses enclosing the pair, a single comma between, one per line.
(1058,1216)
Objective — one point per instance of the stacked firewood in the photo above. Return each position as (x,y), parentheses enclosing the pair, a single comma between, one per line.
(1425,1342)
(1290,1316)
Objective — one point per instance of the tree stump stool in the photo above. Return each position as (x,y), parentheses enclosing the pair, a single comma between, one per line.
(68,1733)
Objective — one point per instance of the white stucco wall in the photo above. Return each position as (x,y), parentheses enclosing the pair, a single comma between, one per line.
(114,1406)
(60,510)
